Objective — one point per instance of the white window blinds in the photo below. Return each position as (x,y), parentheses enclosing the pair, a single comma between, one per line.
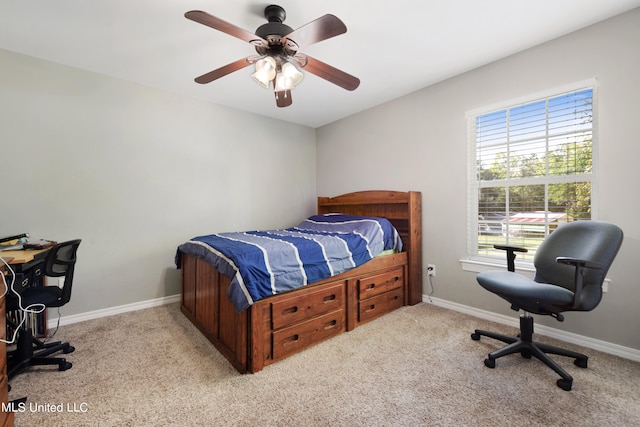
(532,170)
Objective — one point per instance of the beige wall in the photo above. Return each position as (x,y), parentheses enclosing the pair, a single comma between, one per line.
(418,142)
(134,172)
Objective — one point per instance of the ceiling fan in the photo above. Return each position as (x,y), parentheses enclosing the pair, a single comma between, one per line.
(279,61)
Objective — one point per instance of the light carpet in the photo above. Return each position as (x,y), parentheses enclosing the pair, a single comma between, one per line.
(416,366)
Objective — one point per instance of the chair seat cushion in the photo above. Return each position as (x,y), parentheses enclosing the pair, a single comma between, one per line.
(46,295)
(525,293)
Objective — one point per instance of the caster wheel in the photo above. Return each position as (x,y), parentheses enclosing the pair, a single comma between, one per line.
(490,363)
(526,354)
(475,336)
(64,366)
(69,349)
(564,384)
(580,362)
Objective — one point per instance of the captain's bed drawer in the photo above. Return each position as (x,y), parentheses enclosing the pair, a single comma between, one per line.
(287,311)
(307,333)
(381,304)
(377,284)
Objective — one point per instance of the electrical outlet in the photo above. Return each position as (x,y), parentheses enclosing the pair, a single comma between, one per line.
(431,270)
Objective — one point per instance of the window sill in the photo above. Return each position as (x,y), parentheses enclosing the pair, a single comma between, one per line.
(478,265)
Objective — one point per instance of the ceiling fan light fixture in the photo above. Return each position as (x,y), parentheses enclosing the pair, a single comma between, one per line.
(279,61)
(265,71)
(288,77)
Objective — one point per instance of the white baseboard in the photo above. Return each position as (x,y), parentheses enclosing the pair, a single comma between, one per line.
(75,318)
(603,346)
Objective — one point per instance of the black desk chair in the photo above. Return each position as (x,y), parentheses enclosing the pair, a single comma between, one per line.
(571,265)
(30,351)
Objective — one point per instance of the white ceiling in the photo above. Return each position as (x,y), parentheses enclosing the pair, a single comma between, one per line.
(393,47)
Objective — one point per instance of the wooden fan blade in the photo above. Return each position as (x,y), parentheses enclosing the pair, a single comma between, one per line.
(323,28)
(283,98)
(223,71)
(218,24)
(329,73)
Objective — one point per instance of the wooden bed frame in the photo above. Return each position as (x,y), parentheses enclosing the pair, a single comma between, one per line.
(275,327)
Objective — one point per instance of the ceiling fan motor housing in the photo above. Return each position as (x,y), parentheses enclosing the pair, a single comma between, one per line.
(274,30)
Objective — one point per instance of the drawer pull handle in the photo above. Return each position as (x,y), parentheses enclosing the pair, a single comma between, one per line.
(370,286)
(370,308)
(329,298)
(331,324)
(291,340)
(290,310)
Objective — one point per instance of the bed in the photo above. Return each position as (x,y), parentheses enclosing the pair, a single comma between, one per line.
(253,331)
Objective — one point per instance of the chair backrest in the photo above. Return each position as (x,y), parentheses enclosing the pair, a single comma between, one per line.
(61,261)
(588,240)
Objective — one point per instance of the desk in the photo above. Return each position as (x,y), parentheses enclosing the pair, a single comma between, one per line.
(27,266)
(21,256)
(28,269)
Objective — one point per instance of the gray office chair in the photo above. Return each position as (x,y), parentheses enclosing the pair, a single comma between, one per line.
(571,265)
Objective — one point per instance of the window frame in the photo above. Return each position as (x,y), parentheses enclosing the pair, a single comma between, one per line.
(477,262)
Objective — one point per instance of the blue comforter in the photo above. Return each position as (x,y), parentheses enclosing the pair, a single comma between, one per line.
(264,263)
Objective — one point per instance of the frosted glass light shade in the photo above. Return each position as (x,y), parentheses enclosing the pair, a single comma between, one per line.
(288,77)
(265,71)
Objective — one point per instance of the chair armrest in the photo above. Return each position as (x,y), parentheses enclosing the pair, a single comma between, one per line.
(511,247)
(511,254)
(578,262)
(580,265)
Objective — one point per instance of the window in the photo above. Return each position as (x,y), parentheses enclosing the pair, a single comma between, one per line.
(530,170)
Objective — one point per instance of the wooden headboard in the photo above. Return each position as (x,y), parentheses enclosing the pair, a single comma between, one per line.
(402,209)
